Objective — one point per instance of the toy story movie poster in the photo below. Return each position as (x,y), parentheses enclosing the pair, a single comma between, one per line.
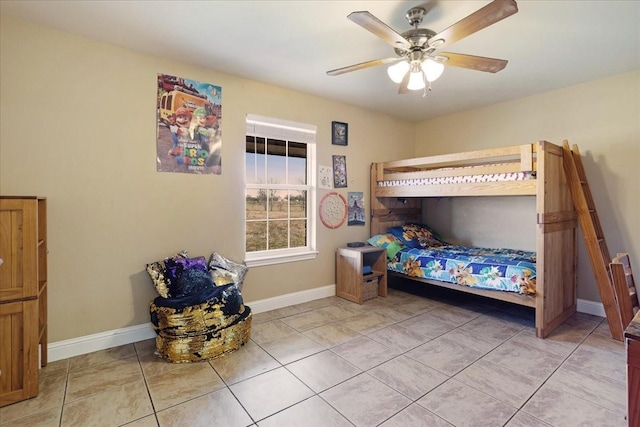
(189,133)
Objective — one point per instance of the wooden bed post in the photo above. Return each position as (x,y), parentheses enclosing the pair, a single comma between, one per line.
(556,245)
(526,157)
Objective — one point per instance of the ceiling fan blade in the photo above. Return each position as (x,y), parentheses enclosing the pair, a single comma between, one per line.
(478,63)
(369,22)
(363,65)
(482,18)
(404,83)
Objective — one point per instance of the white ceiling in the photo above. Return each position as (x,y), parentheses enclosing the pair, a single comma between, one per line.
(291,44)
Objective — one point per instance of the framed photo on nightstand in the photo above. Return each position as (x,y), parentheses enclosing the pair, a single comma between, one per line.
(339,133)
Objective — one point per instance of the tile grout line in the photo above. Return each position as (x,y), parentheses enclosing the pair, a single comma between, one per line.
(331,347)
(146,384)
(551,374)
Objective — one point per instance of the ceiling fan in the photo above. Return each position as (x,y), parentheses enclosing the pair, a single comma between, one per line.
(418,59)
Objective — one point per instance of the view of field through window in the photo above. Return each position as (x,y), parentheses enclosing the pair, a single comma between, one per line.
(276,194)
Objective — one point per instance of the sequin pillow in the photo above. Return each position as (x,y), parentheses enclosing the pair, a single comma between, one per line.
(416,236)
(165,274)
(224,271)
(158,273)
(176,266)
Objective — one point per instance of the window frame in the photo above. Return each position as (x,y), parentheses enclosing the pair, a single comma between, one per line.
(278,129)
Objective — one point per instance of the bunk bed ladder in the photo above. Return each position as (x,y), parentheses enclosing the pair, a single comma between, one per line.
(624,287)
(593,237)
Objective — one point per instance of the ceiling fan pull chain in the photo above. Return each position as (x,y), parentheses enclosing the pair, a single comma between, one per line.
(424,79)
(424,92)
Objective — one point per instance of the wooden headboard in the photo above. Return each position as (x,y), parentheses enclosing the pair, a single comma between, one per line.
(391,211)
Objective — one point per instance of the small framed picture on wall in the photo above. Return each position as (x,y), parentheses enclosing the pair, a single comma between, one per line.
(339,171)
(339,133)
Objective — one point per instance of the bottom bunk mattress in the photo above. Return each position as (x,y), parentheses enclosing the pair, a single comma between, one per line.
(485,268)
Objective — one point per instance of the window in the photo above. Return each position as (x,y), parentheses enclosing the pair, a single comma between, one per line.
(279,191)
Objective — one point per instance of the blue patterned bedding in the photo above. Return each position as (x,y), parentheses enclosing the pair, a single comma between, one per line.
(496,269)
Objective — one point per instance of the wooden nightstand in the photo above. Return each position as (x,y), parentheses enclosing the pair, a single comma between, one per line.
(349,275)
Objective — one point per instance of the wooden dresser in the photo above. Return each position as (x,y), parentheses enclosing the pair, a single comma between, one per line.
(23,296)
(632,343)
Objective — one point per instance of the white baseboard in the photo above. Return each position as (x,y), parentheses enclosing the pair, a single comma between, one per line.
(89,343)
(591,307)
(291,299)
(76,346)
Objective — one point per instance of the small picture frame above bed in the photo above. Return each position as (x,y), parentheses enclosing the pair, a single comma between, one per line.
(339,133)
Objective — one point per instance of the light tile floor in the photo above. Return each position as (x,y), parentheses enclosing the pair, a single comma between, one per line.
(446,359)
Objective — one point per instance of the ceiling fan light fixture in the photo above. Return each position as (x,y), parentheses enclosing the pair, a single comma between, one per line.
(397,71)
(416,80)
(432,69)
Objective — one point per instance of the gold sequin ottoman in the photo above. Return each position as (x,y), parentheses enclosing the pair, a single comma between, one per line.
(200,327)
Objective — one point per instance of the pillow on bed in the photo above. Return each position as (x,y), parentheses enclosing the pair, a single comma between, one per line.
(387,241)
(416,236)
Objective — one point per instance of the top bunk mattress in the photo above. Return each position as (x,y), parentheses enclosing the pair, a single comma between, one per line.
(500,269)
(459,179)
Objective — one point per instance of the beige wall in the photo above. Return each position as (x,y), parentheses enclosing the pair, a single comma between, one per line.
(78,127)
(601,117)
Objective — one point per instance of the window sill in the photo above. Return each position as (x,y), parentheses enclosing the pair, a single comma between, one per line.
(271,259)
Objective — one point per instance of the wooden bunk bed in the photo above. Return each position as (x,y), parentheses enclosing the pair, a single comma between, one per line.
(541,167)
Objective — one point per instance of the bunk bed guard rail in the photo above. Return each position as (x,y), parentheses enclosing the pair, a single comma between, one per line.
(482,168)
